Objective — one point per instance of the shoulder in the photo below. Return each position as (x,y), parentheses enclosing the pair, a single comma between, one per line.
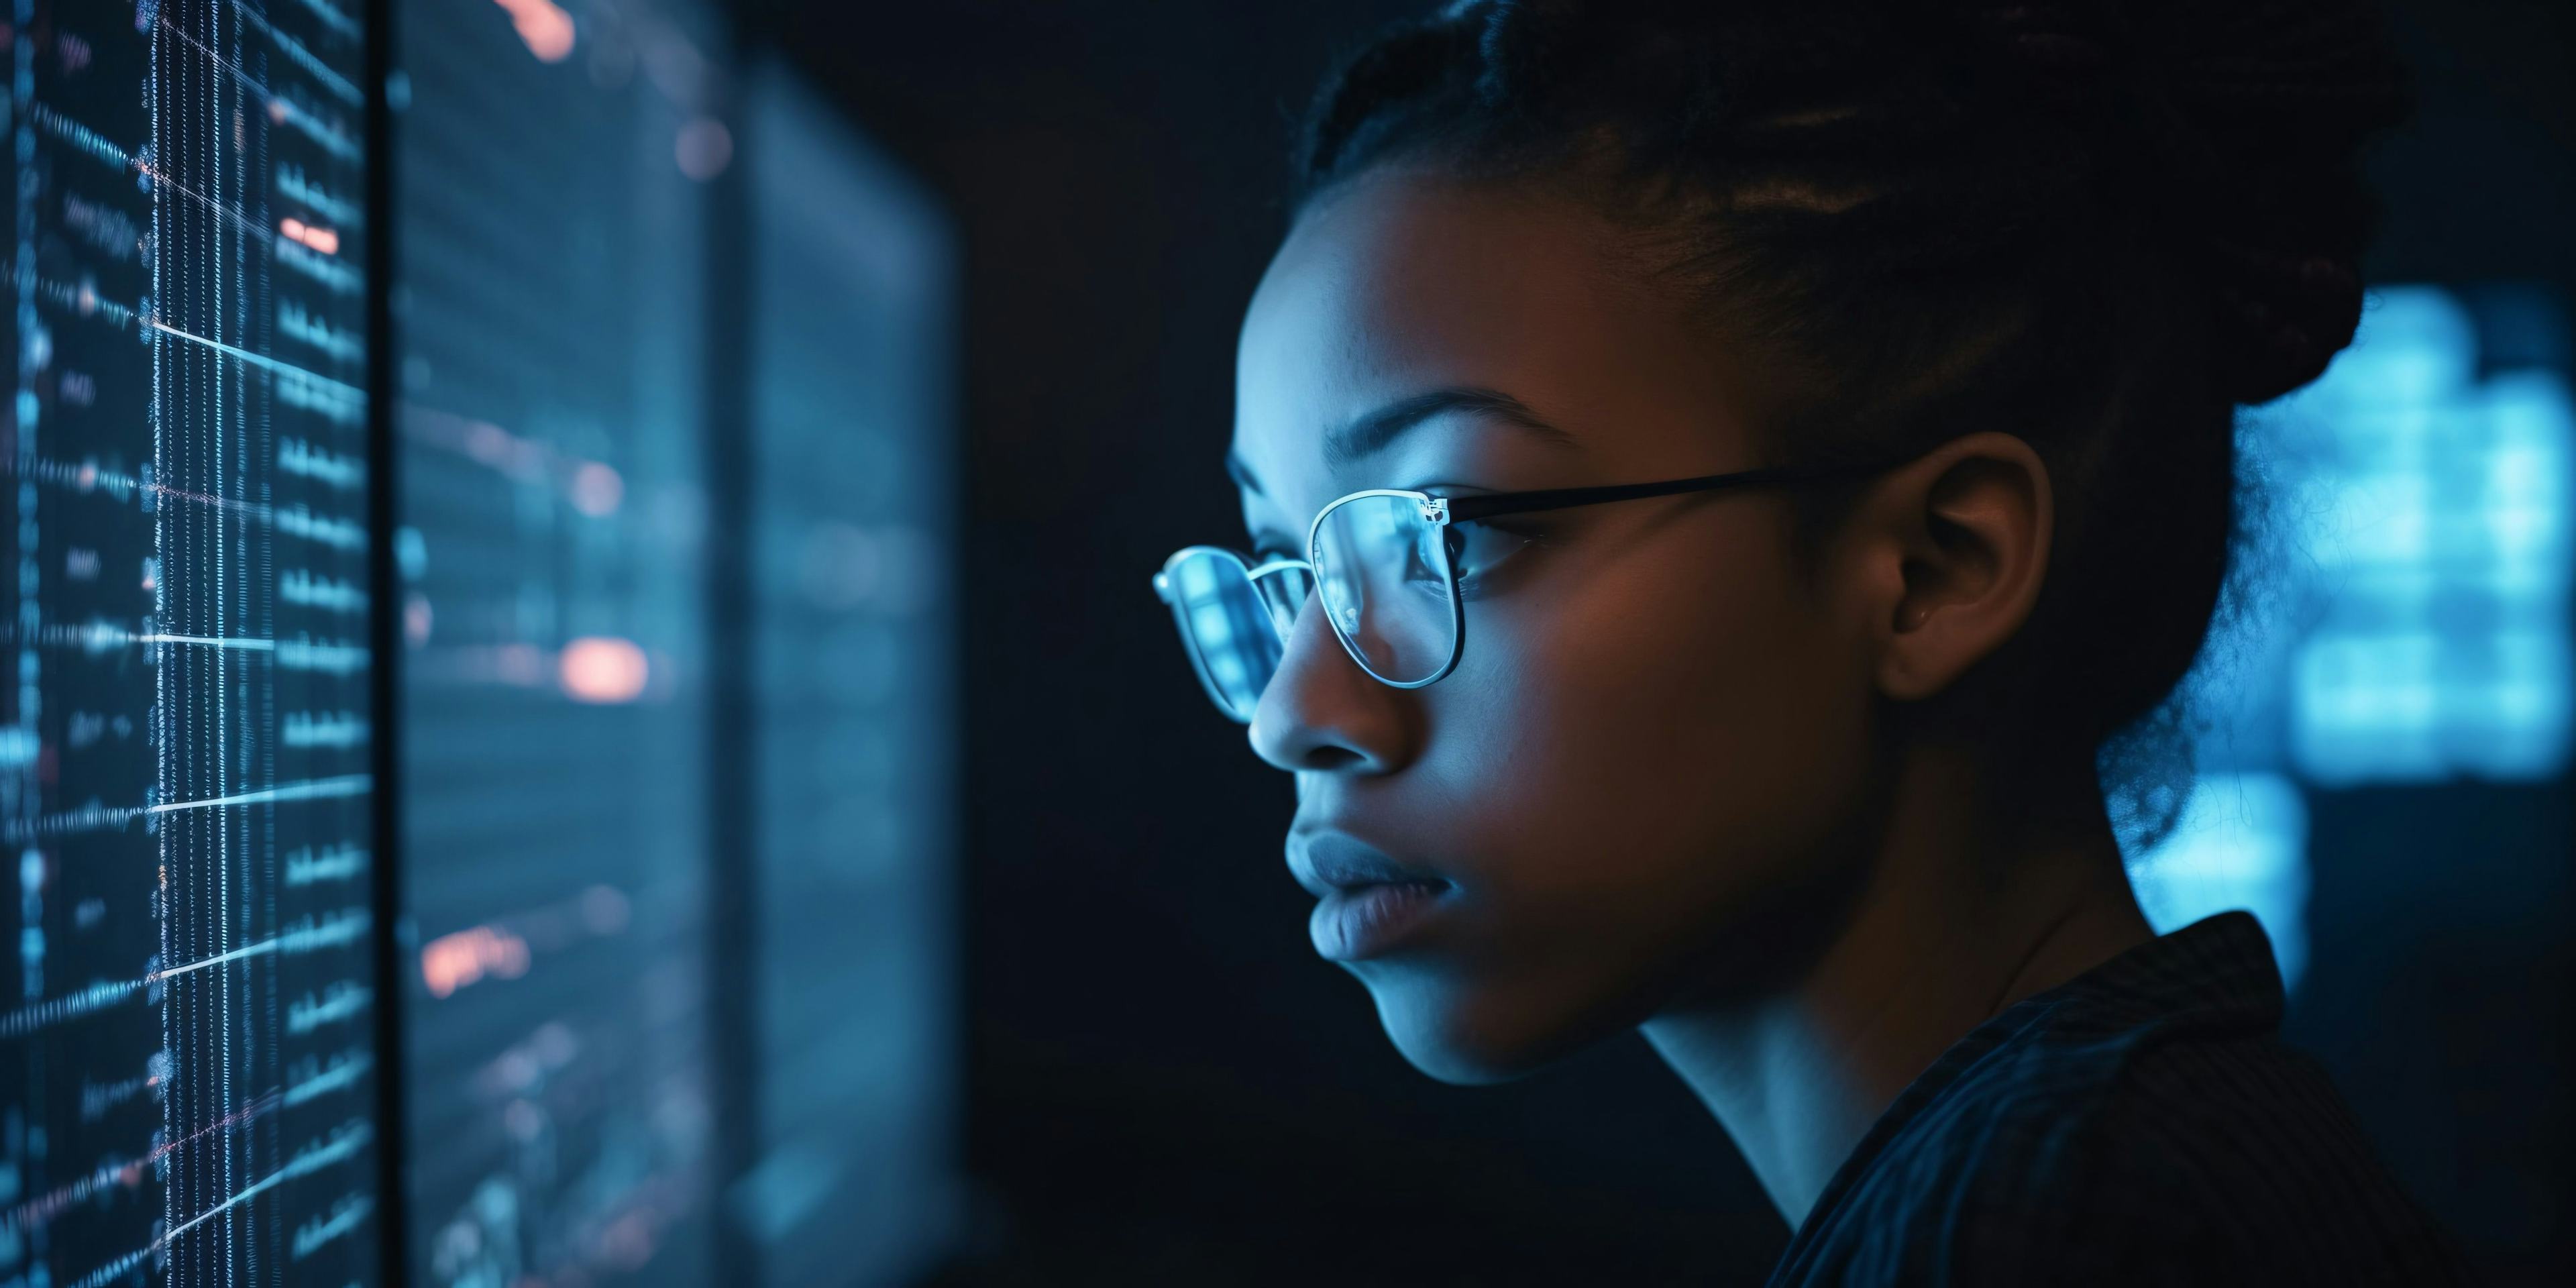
(2249,1137)
(2130,1156)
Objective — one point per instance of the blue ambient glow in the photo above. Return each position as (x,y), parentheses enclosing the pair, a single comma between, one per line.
(2410,622)
(2242,842)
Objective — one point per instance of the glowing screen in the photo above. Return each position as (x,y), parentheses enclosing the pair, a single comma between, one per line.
(638,763)
(187,1076)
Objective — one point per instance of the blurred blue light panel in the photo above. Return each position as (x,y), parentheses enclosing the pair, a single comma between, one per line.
(2412,625)
(2437,530)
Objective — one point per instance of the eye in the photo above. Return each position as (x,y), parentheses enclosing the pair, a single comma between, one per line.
(1482,545)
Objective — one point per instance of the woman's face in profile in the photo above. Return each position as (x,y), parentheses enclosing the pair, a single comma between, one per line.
(1659,721)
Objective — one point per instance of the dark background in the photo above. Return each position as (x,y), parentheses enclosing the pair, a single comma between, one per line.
(1165,1085)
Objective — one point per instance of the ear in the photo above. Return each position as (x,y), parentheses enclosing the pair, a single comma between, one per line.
(1960,538)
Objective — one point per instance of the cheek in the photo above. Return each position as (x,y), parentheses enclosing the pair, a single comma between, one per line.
(1666,699)
(1705,689)
(1641,758)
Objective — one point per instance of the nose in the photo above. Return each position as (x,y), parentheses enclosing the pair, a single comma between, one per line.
(1322,714)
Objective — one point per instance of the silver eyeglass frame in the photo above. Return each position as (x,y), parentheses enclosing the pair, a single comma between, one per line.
(1435,511)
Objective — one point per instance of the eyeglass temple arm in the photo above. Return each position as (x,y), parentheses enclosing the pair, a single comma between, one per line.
(1468,509)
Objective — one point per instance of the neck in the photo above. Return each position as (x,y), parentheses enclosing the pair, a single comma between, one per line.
(1968,907)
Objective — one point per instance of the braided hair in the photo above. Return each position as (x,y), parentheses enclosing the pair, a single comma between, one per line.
(2101,225)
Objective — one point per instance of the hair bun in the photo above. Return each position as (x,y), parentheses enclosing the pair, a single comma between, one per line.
(2285,319)
(2245,117)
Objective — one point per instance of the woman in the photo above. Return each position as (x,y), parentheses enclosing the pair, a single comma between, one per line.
(1727,482)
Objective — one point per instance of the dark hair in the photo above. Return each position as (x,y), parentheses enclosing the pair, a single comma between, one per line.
(2100,226)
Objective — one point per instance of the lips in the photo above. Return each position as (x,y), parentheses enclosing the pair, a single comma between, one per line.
(1367,903)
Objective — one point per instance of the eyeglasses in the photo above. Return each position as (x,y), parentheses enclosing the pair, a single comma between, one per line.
(1384,564)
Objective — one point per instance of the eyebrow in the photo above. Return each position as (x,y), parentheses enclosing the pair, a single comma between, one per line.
(1378,430)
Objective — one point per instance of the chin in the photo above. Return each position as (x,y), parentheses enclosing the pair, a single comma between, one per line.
(1466,1036)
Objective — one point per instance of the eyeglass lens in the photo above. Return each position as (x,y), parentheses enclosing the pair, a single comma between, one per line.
(1234,627)
(1383,578)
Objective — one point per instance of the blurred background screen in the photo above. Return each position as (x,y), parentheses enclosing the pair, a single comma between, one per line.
(586,710)
(847,799)
(673,373)
(551,288)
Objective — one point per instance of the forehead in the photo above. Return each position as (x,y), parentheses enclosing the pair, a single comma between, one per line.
(1403,283)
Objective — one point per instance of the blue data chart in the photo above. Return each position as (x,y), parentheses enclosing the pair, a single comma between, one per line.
(187,1066)
(2406,617)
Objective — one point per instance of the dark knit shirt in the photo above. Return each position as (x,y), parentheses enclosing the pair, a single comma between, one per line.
(2140,1124)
